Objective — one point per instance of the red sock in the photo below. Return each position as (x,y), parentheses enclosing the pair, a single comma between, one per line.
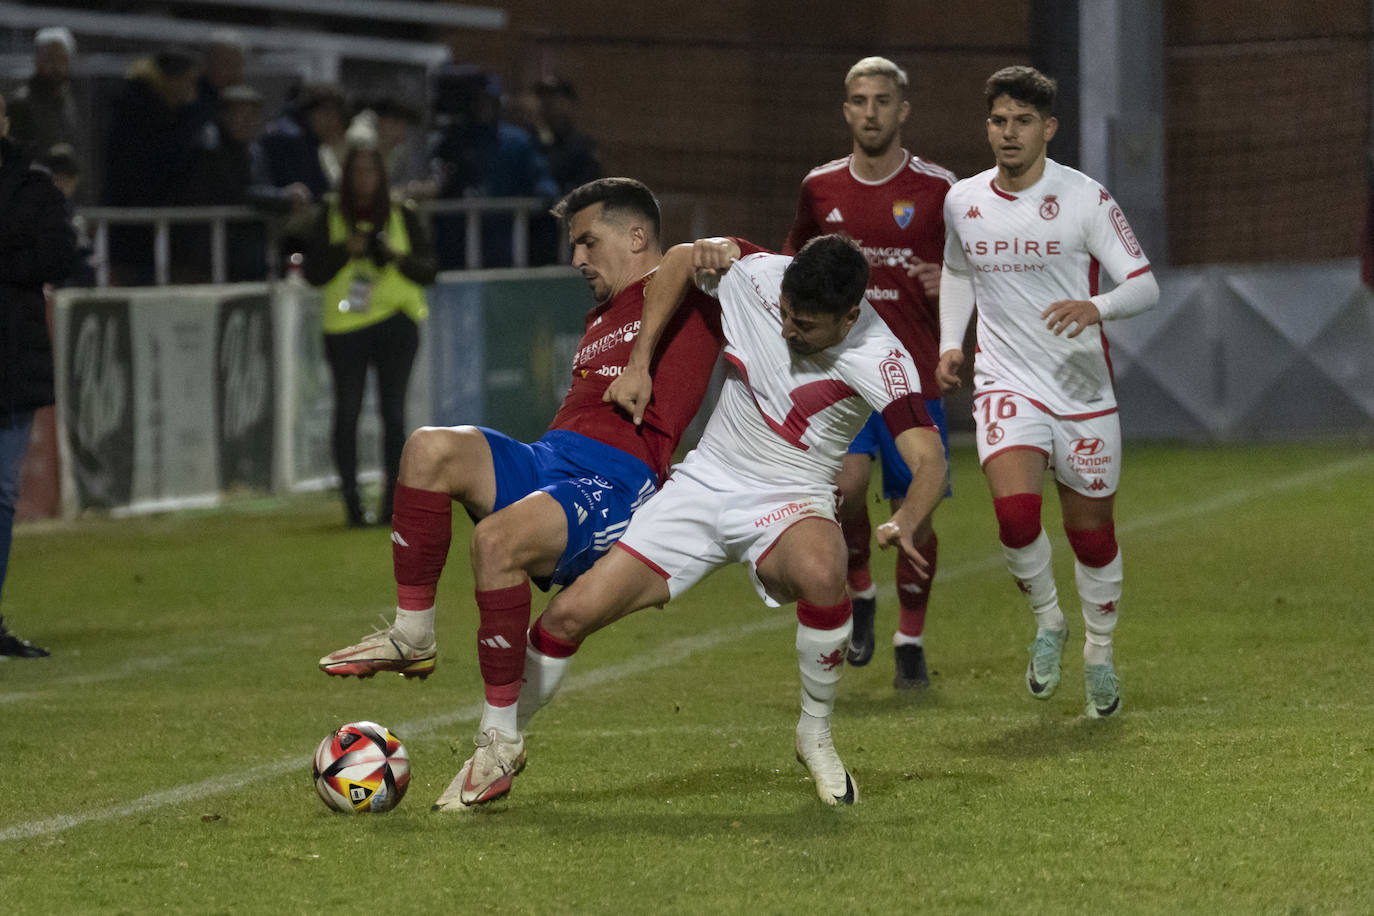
(823,617)
(857,535)
(913,591)
(421,529)
(548,644)
(504,618)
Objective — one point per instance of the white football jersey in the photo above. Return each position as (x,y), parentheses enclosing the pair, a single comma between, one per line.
(1026,251)
(788,419)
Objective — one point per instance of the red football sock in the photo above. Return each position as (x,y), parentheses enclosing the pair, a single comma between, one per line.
(504,618)
(913,591)
(549,644)
(857,536)
(421,529)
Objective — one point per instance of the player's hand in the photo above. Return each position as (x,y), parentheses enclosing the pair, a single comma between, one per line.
(947,371)
(631,391)
(891,532)
(929,275)
(1076,313)
(711,258)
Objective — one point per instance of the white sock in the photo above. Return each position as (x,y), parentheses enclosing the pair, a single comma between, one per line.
(542,676)
(1099,588)
(820,655)
(1032,566)
(415,627)
(501,718)
(901,639)
(813,725)
(870,592)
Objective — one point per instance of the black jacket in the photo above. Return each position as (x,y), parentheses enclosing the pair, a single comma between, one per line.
(37,246)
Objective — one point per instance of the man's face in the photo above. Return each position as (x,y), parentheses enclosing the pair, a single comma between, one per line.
(51,62)
(874,110)
(811,332)
(242,120)
(602,249)
(1017,133)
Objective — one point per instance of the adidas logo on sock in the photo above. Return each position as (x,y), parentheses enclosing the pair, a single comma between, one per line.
(495,642)
(397,539)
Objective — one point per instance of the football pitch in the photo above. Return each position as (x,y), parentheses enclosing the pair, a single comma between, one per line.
(160,760)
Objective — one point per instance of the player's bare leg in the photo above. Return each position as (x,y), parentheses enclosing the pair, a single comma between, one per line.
(1098,573)
(438,465)
(807,563)
(616,585)
(1016,477)
(852,482)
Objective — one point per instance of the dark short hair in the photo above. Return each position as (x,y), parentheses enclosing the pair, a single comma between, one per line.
(828,276)
(1026,85)
(615,195)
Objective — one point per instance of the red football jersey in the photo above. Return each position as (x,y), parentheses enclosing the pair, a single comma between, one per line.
(899,222)
(681,370)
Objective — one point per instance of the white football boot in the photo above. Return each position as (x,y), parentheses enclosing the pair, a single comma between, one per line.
(487,774)
(816,752)
(384,650)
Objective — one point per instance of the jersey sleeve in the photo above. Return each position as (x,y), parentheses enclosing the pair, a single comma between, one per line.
(1109,236)
(890,382)
(804,226)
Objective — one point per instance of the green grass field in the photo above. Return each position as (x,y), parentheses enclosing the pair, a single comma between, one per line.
(160,759)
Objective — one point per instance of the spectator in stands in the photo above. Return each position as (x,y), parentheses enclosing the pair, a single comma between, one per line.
(391,124)
(60,163)
(226,52)
(227,168)
(476,154)
(373,258)
(42,112)
(303,144)
(152,133)
(37,246)
(571,152)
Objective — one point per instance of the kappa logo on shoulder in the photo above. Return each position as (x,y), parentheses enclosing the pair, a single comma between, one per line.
(973,213)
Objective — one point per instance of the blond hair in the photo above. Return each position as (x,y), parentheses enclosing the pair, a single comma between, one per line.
(877,66)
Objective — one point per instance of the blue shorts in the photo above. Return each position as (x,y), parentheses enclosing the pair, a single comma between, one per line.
(874,440)
(597,485)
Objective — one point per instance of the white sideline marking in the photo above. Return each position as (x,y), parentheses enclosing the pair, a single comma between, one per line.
(673,652)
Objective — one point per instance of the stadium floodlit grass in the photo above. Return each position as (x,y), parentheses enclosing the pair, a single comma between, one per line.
(160,759)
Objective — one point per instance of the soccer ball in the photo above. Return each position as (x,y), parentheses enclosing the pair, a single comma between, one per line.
(362,768)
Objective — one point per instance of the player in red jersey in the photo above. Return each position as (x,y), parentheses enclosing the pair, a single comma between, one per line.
(891,202)
(544,511)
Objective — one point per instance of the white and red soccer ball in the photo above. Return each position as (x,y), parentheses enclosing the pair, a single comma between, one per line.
(362,768)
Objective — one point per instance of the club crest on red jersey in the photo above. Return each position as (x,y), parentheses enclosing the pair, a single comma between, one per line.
(1049,207)
(902,212)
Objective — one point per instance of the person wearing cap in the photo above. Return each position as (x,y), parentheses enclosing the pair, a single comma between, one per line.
(42,111)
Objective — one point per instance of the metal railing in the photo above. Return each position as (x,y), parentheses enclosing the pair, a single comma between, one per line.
(98,221)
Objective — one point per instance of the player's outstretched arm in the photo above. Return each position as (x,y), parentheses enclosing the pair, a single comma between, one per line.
(920,447)
(633,388)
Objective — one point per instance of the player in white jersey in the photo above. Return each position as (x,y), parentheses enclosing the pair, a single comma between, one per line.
(1026,241)
(810,360)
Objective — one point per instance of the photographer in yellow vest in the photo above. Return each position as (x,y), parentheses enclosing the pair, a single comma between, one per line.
(372,259)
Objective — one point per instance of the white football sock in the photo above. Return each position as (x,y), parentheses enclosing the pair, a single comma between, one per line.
(901,639)
(820,655)
(543,673)
(1099,588)
(415,627)
(501,718)
(870,592)
(1032,566)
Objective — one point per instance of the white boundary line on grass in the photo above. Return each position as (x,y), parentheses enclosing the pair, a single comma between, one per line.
(673,652)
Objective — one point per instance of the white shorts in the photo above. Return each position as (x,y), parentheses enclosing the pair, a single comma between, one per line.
(703,519)
(1085,451)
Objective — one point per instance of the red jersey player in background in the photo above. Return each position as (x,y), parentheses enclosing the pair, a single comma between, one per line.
(891,203)
(544,511)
